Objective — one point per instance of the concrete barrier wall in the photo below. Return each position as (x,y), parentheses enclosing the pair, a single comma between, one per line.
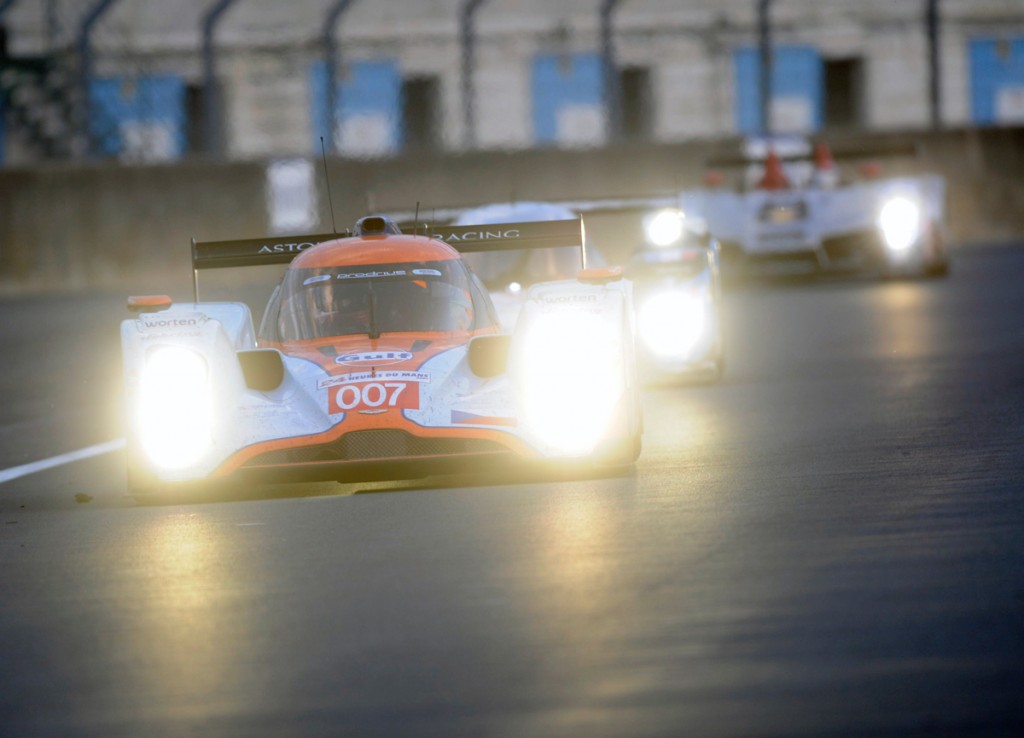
(106,226)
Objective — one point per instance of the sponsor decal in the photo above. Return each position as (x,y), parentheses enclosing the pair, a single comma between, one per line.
(427,272)
(391,375)
(164,322)
(373,358)
(510,233)
(315,280)
(286,248)
(365,275)
(569,299)
(373,396)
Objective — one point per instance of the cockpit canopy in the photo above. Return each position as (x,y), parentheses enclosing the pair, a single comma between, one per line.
(422,296)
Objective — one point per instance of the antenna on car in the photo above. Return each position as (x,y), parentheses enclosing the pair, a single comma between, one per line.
(327,179)
(416,220)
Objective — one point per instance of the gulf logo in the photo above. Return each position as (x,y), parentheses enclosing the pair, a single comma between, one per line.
(373,358)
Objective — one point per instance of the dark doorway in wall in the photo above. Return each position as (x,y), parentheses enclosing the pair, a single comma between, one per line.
(635,103)
(195,118)
(844,92)
(420,119)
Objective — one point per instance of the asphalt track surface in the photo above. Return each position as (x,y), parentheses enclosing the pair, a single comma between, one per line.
(828,543)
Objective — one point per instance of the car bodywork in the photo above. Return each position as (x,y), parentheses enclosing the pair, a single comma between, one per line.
(793,207)
(393,397)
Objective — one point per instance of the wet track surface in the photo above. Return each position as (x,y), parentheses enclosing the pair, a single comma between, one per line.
(828,543)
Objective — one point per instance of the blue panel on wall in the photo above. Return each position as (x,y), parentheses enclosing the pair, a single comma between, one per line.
(796,73)
(997,70)
(560,80)
(153,103)
(370,89)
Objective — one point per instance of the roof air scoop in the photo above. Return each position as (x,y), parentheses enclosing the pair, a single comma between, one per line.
(376,225)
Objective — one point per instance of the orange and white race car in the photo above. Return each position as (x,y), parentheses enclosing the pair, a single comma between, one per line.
(380,356)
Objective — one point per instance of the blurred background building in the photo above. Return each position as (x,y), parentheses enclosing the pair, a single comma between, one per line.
(160,80)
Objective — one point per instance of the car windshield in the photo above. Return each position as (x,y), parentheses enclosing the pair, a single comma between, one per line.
(374,299)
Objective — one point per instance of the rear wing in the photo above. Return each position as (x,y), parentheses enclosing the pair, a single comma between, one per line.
(464,238)
(251,252)
(254,251)
(542,234)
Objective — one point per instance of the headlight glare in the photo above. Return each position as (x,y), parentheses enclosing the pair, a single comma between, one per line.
(572,381)
(900,223)
(174,408)
(671,323)
(665,227)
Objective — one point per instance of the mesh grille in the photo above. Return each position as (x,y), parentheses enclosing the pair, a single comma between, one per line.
(371,445)
(375,444)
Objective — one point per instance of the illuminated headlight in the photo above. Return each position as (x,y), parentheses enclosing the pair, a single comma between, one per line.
(572,381)
(671,323)
(665,227)
(900,223)
(174,409)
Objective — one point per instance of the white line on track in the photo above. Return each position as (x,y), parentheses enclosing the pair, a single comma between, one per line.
(83,453)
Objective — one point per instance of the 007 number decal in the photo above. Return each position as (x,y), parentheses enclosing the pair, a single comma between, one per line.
(373,396)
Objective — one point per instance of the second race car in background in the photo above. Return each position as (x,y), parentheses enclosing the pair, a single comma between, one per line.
(678,295)
(674,271)
(508,273)
(795,206)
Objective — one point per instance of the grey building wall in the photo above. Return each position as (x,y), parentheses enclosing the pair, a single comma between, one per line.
(266,47)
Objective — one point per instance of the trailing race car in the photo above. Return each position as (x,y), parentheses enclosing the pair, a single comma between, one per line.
(380,356)
(508,273)
(678,294)
(793,207)
(675,277)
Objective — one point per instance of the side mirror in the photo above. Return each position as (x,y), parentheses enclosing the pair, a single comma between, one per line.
(488,355)
(600,275)
(148,303)
(263,369)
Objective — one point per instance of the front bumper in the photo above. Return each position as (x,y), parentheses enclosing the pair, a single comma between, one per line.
(375,455)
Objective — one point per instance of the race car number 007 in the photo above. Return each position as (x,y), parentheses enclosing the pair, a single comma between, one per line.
(373,396)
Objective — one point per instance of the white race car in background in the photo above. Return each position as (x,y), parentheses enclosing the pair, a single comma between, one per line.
(678,293)
(795,205)
(675,276)
(509,272)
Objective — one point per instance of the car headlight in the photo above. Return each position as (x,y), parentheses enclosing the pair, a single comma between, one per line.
(665,227)
(671,323)
(900,223)
(572,380)
(175,406)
